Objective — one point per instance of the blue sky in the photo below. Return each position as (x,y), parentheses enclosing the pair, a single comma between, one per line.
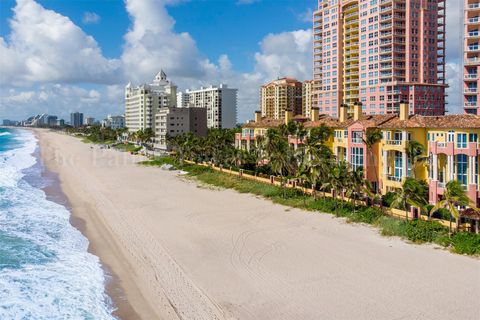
(59,56)
(218,26)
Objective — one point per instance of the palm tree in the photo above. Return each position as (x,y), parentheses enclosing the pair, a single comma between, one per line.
(358,185)
(415,153)
(371,139)
(321,134)
(453,196)
(339,181)
(279,162)
(412,193)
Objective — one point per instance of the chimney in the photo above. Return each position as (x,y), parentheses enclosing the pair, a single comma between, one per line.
(314,114)
(357,110)
(343,113)
(258,116)
(404,110)
(288,116)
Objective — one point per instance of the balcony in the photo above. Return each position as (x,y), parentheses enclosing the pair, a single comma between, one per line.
(394,178)
(394,142)
(470,91)
(472,61)
(473,34)
(473,20)
(473,6)
(473,48)
(471,76)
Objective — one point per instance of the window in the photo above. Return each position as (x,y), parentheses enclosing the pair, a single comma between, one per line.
(451,135)
(357,136)
(356,157)
(461,140)
(461,166)
(473,137)
(398,166)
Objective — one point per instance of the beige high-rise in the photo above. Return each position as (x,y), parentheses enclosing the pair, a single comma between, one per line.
(281,95)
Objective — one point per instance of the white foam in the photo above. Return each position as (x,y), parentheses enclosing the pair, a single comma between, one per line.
(4,134)
(71,285)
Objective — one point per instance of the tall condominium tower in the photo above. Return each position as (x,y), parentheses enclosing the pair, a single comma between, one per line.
(281,95)
(142,102)
(220,102)
(380,52)
(471,57)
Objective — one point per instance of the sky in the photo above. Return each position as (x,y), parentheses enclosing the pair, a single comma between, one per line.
(61,56)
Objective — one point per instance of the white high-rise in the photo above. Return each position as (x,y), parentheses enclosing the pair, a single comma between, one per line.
(220,102)
(142,102)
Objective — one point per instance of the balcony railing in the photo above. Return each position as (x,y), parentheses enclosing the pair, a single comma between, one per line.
(471,76)
(394,142)
(474,5)
(394,178)
(470,90)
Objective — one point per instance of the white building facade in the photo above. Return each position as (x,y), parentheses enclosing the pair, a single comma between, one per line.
(142,102)
(220,103)
(114,122)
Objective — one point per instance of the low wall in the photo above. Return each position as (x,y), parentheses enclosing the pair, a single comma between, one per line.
(390,211)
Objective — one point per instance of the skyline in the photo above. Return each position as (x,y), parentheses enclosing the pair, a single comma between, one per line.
(80,64)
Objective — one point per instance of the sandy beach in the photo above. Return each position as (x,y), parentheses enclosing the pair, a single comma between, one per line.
(182,251)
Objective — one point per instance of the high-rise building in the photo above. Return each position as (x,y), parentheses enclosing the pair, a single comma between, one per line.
(89,121)
(281,95)
(142,102)
(76,119)
(220,102)
(471,57)
(308,98)
(52,121)
(171,122)
(182,100)
(380,53)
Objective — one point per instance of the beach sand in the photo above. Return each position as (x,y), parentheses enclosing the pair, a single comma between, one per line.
(182,251)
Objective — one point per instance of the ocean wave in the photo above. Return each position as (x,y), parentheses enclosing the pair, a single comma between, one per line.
(46,271)
(5,134)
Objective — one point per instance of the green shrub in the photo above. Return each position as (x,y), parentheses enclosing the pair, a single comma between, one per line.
(388,198)
(366,215)
(423,231)
(390,226)
(466,243)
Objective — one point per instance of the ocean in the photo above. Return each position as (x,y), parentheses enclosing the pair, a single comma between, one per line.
(46,271)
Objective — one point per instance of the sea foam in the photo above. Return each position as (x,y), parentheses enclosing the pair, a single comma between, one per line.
(46,271)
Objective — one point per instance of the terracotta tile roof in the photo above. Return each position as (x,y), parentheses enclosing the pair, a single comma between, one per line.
(389,121)
(454,121)
(323,119)
(264,123)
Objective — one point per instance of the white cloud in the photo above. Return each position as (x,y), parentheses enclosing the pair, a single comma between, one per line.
(306,16)
(60,100)
(45,46)
(90,18)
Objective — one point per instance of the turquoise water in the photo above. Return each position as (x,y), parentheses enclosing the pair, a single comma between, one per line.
(46,271)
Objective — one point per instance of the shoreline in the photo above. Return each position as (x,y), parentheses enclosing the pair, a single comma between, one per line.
(183,251)
(123,309)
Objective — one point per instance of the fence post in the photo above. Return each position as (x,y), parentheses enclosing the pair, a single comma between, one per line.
(272,179)
(240,172)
